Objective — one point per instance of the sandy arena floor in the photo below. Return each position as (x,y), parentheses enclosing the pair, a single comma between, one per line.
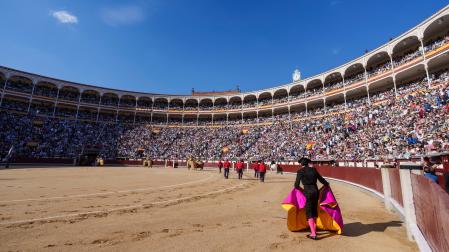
(161,209)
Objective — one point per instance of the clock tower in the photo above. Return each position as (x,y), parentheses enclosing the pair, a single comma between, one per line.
(296,76)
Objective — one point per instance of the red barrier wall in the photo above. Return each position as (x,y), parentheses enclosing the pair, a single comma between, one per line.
(158,162)
(289,168)
(432,212)
(369,177)
(136,162)
(395,184)
(123,162)
(25,160)
(211,164)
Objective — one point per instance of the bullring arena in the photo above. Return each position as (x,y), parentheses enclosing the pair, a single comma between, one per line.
(90,168)
(166,209)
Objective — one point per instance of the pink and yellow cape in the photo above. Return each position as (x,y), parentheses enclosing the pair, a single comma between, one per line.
(329,214)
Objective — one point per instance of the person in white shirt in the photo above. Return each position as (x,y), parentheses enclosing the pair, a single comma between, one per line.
(273,166)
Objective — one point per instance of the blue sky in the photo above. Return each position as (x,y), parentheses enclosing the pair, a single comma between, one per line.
(171,46)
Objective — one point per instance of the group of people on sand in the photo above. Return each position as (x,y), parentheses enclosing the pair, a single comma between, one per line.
(259,167)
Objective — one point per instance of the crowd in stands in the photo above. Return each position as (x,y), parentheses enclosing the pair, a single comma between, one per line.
(277,100)
(265,101)
(407,57)
(40,137)
(312,92)
(90,98)
(109,101)
(409,122)
(333,86)
(46,91)
(41,108)
(144,104)
(355,78)
(130,103)
(249,104)
(379,69)
(355,130)
(19,85)
(436,43)
(65,94)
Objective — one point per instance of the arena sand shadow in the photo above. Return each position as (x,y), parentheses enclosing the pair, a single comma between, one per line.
(355,229)
(278,182)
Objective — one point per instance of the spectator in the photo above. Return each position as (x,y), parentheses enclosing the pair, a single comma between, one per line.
(353,132)
(429,170)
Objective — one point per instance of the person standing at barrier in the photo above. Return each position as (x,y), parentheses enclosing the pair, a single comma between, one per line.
(429,170)
(239,167)
(308,176)
(220,166)
(273,166)
(262,168)
(279,170)
(226,166)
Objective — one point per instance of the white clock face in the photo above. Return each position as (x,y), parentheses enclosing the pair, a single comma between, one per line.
(296,76)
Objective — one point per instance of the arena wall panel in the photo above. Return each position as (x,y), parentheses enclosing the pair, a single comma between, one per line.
(25,160)
(432,212)
(210,164)
(289,168)
(395,184)
(123,162)
(368,177)
(158,162)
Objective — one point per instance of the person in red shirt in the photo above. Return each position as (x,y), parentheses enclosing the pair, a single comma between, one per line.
(220,165)
(262,170)
(226,166)
(421,112)
(239,167)
(255,166)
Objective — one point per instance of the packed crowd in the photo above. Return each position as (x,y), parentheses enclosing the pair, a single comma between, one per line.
(407,57)
(358,130)
(436,43)
(381,68)
(355,130)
